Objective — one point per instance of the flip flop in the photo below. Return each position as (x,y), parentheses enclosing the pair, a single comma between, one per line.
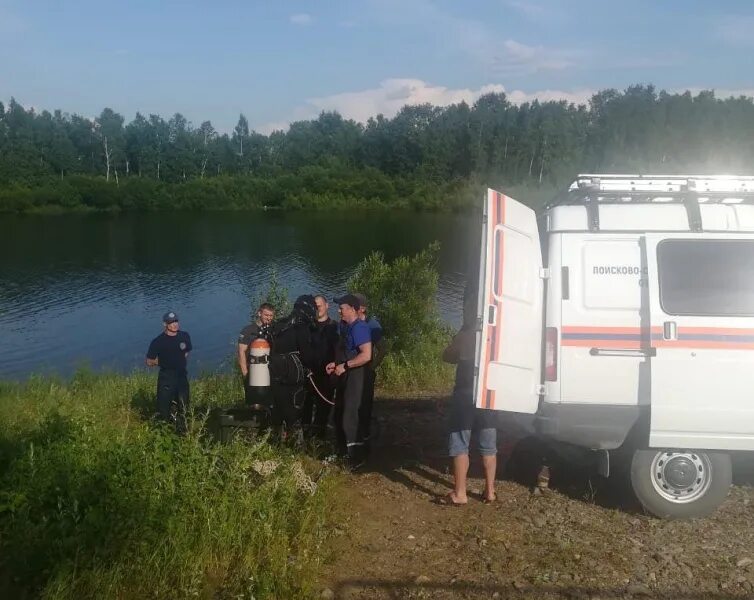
(447,500)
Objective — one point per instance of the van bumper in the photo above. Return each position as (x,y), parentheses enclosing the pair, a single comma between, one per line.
(593,426)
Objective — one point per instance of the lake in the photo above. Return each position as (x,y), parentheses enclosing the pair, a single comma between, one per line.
(90,290)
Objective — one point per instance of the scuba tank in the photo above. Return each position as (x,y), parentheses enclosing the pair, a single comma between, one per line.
(259,359)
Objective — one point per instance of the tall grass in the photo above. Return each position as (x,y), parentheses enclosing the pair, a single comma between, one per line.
(97,501)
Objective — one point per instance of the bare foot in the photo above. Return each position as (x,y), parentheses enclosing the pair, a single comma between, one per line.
(452,499)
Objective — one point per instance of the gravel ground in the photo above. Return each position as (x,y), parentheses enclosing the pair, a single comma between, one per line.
(586,538)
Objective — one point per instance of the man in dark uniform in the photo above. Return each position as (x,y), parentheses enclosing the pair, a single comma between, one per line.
(324,341)
(291,359)
(169,351)
(353,354)
(379,349)
(252,331)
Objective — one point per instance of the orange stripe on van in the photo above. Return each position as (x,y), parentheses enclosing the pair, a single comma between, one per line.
(500,201)
(721,338)
(492,212)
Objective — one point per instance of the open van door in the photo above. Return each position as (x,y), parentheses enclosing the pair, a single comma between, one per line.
(701,312)
(509,315)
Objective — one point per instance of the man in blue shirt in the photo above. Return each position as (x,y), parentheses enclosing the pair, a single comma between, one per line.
(169,351)
(353,353)
(370,370)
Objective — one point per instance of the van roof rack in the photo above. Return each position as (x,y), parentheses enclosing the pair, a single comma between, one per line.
(662,184)
(595,189)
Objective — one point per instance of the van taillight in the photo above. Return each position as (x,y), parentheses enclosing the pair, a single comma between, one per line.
(551,354)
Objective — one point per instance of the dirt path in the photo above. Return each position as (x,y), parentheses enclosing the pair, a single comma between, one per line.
(576,541)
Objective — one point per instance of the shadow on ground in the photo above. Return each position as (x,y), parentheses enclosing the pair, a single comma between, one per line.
(411,449)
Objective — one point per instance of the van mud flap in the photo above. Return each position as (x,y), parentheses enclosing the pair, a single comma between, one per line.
(596,427)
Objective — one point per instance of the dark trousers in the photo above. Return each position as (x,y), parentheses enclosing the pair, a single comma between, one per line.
(256,394)
(348,400)
(284,405)
(173,397)
(316,411)
(367,401)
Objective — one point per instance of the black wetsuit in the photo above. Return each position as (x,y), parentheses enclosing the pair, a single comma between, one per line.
(291,356)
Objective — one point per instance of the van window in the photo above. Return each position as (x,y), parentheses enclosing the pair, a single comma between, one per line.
(706,277)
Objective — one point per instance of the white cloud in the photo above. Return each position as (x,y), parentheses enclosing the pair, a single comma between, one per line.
(579,96)
(393,94)
(301,19)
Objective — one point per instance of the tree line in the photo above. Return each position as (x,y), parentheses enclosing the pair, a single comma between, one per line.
(424,156)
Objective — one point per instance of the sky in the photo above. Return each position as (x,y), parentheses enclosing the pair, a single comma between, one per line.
(286,60)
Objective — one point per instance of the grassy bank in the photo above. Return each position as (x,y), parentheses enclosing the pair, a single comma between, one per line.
(99,502)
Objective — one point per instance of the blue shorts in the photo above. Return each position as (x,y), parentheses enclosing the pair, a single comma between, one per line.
(459,440)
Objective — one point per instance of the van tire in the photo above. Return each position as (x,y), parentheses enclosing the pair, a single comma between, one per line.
(677,493)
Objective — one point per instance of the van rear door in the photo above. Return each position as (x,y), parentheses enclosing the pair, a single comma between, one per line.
(509,340)
(701,311)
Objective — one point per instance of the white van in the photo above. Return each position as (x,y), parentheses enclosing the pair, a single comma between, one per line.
(625,320)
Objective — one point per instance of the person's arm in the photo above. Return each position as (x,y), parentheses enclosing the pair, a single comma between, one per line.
(242,348)
(152,359)
(459,346)
(306,349)
(362,358)
(379,351)
(189,347)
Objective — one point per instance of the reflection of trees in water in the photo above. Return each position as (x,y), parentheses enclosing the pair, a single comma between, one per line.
(100,280)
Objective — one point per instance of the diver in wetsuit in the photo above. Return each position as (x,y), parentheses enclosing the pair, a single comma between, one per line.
(292,357)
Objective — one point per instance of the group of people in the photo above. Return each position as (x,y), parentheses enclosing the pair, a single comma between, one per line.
(315,364)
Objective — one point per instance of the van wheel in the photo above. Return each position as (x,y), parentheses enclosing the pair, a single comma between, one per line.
(680,484)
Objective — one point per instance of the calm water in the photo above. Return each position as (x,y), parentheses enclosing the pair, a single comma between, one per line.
(90,290)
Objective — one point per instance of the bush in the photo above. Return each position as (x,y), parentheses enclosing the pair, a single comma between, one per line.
(402,295)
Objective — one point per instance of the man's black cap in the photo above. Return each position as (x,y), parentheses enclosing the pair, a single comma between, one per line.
(170,317)
(349,299)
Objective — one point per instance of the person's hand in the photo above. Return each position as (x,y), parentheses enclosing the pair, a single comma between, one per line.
(244,374)
(466,344)
(330,368)
(340,369)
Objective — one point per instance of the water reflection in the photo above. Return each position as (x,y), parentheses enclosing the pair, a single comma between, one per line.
(91,288)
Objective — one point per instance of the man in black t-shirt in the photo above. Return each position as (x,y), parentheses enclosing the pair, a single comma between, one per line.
(169,351)
(252,331)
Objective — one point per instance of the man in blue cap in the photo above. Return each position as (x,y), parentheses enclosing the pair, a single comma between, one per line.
(353,353)
(169,351)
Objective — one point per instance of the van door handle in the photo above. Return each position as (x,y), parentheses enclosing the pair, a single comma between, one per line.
(491,314)
(636,353)
(669,330)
